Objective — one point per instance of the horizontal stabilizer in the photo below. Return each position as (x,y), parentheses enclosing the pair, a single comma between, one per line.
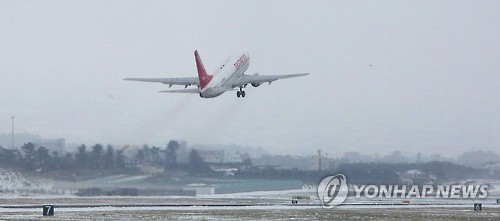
(185,91)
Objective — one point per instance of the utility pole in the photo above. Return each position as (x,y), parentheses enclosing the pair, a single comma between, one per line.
(12,132)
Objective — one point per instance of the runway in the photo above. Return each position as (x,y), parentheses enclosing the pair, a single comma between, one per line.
(245,206)
(256,213)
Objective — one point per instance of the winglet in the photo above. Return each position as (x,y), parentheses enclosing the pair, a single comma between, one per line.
(202,73)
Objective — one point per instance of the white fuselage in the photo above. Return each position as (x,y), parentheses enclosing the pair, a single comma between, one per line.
(226,75)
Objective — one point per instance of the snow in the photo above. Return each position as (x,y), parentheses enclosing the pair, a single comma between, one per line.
(12,182)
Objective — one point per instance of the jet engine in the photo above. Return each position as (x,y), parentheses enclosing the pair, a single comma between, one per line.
(255,84)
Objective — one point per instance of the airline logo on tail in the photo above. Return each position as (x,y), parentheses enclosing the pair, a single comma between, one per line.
(202,73)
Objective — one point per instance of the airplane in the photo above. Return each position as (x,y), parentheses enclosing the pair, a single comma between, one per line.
(228,77)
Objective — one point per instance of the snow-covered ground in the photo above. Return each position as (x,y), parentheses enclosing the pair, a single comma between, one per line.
(21,198)
(15,183)
(261,205)
(268,209)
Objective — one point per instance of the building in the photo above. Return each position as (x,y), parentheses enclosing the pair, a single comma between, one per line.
(355,157)
(212,156)
(319,162)
(201,188)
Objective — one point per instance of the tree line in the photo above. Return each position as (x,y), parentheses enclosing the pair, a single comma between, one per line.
(108,159)
(38,158)
(103,158)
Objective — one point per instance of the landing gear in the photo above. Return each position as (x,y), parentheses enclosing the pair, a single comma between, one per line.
(240,93)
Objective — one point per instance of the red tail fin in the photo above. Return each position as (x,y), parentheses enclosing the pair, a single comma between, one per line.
(202,74)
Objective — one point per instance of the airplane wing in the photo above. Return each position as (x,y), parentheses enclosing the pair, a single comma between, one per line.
(188,81)
(185,91)
(258,79)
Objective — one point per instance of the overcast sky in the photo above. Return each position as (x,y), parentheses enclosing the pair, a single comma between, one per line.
(416,76)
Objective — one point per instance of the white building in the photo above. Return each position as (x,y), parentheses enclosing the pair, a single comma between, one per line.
(212,156)
(319,162)
(201,188)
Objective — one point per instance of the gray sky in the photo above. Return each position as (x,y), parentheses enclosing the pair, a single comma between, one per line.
(433,85)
